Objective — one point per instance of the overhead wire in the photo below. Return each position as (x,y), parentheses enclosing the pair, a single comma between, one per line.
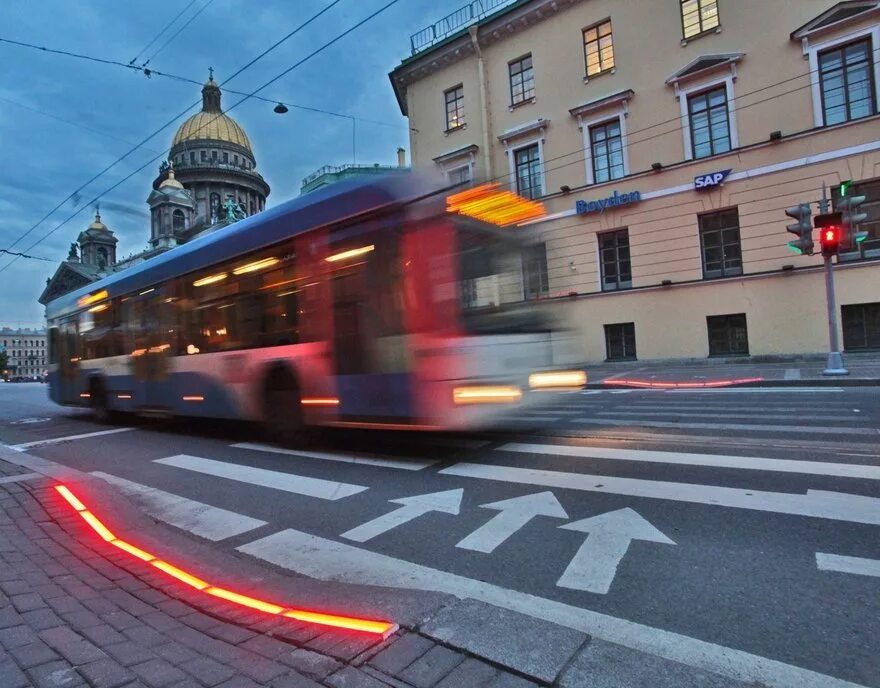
(164,29)
(177,33)
(298,63)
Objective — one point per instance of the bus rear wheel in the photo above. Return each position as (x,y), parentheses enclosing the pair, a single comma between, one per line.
(282,412)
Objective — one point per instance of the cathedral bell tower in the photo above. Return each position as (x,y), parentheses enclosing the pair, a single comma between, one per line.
(97,245)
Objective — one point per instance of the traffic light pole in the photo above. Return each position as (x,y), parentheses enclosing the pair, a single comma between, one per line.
(834,364)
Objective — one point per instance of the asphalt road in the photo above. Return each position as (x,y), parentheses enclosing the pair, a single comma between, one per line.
(746,519)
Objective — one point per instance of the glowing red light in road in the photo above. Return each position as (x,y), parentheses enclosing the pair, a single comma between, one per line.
(383,628)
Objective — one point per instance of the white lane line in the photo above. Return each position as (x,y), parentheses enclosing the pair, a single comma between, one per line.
(837,470)
(720,391)
(327,560)
(20,478)
(792,374)
(529,419)
(297,484)
(835,506)
(69,438)
(843,564)
(728,413)
(748,427)
(204,520)
(873,456)
(403,464)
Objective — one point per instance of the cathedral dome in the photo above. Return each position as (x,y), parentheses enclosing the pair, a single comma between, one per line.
(211,123)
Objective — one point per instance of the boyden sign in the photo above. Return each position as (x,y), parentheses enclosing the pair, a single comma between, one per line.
(711,180)
(617,199)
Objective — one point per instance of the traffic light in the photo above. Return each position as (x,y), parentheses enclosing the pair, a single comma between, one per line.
(851,219)
(830,226)
(803,228)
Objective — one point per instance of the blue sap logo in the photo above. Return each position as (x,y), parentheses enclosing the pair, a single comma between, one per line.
(708,181)
(584,207)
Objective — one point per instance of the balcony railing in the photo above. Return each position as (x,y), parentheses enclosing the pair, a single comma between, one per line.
(335,169)
(451,23)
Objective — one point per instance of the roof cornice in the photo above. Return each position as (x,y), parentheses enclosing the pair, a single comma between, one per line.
(495,29)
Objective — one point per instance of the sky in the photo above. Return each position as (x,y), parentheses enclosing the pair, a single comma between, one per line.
(63,120)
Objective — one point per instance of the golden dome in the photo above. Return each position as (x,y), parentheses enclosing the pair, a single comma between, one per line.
(211,123)
(170,181)
(98,225)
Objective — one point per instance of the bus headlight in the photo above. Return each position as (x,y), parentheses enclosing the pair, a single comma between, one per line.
(486,394)
(558,380)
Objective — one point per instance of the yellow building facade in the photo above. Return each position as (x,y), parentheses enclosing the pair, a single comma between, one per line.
(666,138)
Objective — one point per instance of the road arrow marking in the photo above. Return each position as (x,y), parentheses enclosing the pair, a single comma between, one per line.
(448,501)
(843,564)
(515,513)
(594,566)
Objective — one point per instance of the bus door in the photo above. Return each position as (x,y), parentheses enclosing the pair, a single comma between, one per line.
(69,357)
(369,337)
(153,343)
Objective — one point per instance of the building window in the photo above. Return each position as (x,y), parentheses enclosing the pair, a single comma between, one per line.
(534,269)
(710,125)
(727,335)
(454,98)
(861,326)
(847,83)
(720,244)
(204,156)
(698,16)
(225,156)
(620,342)
(235,160)
(606,151)
(598,48)
(522,80)
(459,175)
(527,162)
(870,247)
(178,220)
(614,260)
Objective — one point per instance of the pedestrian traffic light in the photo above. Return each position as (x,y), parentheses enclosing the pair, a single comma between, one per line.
(802,228)
(851,219)
(830,232)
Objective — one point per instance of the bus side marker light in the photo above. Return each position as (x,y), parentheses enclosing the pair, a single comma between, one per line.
(558,379)
(381,628)
(319,401)
(85,395)
(193,397)
(256,266)
(93,298)
(486,394)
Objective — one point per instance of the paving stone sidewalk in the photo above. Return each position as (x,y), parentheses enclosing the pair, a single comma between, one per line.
(73,614)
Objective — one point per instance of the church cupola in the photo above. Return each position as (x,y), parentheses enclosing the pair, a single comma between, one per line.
(97,244)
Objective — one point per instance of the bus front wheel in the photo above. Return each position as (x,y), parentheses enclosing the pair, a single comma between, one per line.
(282,412)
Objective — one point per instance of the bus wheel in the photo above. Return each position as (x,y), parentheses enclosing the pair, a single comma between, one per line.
(282,413)
(98,399)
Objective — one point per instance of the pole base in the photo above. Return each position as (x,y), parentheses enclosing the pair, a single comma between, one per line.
(834,365)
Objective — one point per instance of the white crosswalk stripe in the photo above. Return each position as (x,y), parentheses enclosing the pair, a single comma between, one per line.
(797,429)
(297,484)
(718,414)
(840,470)
(402,463)
(204,520)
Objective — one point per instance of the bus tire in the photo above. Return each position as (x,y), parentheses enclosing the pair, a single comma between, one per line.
(99,400)
(282,412)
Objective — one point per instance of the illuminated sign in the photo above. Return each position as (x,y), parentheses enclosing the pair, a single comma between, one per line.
(711,180)
(613,201)
(489,203)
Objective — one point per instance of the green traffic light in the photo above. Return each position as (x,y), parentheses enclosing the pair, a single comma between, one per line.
(844,187)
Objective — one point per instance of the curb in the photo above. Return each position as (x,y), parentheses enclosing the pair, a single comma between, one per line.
(809,382)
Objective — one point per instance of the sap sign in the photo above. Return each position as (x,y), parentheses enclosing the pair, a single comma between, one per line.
(708,181)
(584,207)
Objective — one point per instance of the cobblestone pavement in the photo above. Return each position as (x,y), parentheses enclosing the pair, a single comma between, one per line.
(73,613)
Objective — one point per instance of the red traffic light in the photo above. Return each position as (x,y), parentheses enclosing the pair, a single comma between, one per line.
(830,237)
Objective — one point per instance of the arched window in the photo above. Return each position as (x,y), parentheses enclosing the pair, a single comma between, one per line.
(178,220)
(215,207)
(102,256)
(253,207)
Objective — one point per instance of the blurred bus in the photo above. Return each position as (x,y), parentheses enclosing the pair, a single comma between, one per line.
(366,303)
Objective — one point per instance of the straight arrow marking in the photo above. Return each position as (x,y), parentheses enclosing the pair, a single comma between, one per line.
(514,514)
(594,566)
(448,501)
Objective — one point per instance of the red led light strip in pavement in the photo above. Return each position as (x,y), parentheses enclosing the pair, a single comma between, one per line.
(383,628)
(680,385)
